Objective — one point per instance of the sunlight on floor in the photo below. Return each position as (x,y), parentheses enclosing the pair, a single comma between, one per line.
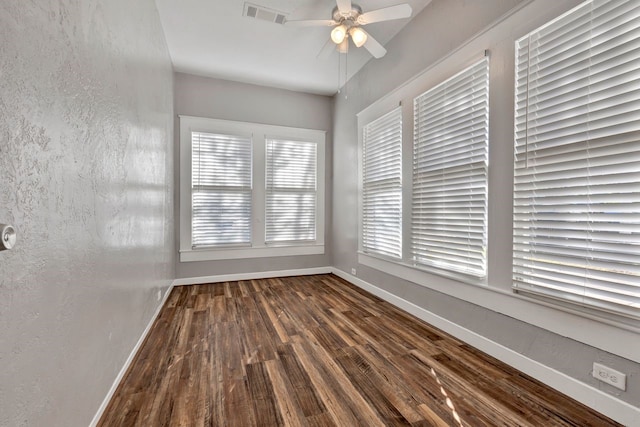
(448,400)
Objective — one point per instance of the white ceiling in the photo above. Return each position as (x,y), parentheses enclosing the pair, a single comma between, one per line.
(213,38)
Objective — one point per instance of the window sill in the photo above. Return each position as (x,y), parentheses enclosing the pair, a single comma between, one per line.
(193,255)
(414,273)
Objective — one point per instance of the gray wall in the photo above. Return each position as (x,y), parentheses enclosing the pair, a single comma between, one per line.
(226,100)
(86,160)
(440,29)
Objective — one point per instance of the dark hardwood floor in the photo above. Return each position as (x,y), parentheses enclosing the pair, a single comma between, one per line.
(317,351)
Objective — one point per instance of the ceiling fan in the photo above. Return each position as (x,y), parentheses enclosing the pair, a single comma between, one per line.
(348,19)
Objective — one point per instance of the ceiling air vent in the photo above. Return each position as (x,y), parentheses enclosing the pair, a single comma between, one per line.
(263,13)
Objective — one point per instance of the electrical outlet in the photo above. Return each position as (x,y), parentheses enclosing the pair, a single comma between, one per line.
(353,271)
(610,376)
(159,294)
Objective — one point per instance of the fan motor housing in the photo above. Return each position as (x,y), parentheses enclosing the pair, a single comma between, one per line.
(352,15)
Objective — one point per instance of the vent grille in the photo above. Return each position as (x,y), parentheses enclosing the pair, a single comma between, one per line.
(264,14)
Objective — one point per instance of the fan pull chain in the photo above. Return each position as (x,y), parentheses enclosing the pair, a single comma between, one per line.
(346,64)
(342,87)
(339,76)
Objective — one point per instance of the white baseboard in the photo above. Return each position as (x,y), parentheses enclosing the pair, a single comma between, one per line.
(606,404)
(251,276)
(129,360)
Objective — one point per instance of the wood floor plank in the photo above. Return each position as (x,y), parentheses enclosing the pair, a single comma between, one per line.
(305,394)
(368,333)
(267,309)
(263,396)
(317,351)
(282,389)
(363,411)
(280,307)
(485,403)
(423,386)
(257,334)
(433,419)
(321,420)
(390,384)
(327,392)
(387,400)
(217,372)
(359,304)
(327,320)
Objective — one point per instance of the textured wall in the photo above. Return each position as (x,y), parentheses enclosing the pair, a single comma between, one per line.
(226,100)
(430,37)
(86,169)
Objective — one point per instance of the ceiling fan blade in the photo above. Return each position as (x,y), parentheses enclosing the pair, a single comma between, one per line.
(326,51)
(311,23)
(385,14)
(344,6)
(374,48)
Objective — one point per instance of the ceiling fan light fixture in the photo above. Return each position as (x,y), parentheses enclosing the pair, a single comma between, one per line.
(358,36)
(347,18)
(339,33)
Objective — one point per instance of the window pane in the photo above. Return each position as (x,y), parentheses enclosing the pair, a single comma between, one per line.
(291,191)
(221,189)
(382,185)
(221,218)
(450,154)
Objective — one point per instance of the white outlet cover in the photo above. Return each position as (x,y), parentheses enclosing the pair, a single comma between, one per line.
(610,376)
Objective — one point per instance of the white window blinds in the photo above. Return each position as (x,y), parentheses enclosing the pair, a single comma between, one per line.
(221,189)
(382,185)
(291,191)
(577,159)
(450,154)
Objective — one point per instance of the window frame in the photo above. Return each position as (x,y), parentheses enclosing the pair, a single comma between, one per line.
(260,133)
(539,286)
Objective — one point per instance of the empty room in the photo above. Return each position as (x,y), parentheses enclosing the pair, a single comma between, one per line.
(320,213)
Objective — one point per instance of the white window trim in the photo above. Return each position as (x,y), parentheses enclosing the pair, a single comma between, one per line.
(260,132)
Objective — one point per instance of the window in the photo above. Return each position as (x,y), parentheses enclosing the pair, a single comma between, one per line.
(382,185)
(450,156)
(291,191)
(577,159)
(221,189)
(249,190)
